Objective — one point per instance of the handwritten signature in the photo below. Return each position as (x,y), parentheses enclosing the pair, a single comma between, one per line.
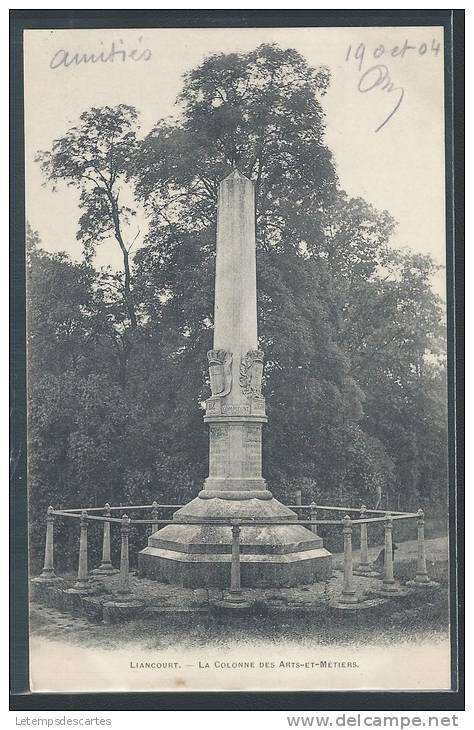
(378,76)
(115,53)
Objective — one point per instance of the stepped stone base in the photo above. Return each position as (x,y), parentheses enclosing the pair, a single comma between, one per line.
(200,555)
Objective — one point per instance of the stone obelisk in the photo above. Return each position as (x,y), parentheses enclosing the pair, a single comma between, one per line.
(236,409)
(271,554)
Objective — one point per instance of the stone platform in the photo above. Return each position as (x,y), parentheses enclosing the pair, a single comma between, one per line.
(196,555)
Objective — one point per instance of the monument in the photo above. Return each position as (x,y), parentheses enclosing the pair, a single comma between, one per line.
(271,554)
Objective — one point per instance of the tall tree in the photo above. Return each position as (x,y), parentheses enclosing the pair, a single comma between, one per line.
(261,111)
(95,157)
(334,299)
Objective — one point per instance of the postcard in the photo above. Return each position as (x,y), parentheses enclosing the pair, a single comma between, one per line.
(237,359)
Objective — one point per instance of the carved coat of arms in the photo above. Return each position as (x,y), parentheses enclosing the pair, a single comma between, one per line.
(220,372)
(251,371)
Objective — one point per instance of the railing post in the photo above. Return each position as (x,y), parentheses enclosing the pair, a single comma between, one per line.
(348,590)
(421,572)
(364,565)
(298,502)
(106,562)
(106,567)
(82,582)
(48,573)
(388,584)
(124,581)
(154,516)
(313,515)
(235,587)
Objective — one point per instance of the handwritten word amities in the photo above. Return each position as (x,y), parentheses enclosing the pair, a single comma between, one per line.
(115,53)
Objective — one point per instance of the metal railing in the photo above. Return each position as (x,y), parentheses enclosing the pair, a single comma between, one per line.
(348,593)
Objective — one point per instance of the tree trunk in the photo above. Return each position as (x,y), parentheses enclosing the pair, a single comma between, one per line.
(126,262)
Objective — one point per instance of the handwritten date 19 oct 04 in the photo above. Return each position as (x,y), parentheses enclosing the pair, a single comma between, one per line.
(377,76)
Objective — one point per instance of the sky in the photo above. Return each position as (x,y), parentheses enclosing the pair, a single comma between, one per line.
(399,168)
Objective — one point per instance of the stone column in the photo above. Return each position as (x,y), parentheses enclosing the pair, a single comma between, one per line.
(154,516)
(48,574)
(235,563)
(235,310)
(421,572)
(389,584)
(106,567)
(82,582)
(106,562)
(298,502)
(364,565)
(124,581)
(48,568)
(235,411)
(348,594)
(313,514)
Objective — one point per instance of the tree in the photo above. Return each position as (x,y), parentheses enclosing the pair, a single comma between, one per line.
(335,300)
(259,111)
(95,157)
(90,440)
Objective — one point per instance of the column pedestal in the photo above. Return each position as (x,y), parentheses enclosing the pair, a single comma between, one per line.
(200,555)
